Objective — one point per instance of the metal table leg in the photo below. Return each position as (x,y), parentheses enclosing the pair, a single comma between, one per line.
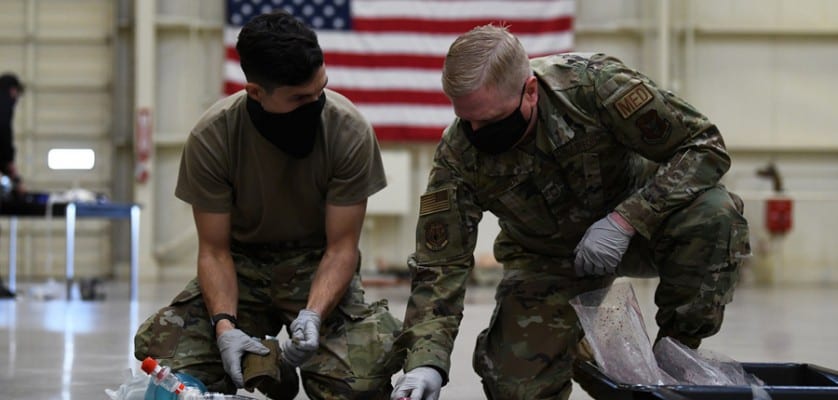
(69,273)
(13,254)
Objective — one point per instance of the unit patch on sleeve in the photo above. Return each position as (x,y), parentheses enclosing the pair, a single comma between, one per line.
(436,235)
(637,97)
(655,128)
(434,202)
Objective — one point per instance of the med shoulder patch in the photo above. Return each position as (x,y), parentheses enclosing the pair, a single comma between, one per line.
(633,100)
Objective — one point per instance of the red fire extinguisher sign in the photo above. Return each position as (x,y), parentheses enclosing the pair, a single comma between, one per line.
(778,213)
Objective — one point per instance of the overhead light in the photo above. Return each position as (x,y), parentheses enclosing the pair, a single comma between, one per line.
(71,159)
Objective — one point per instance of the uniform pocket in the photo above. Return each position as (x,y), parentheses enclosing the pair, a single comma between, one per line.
(371,333)
(525,203)
(740,243)
(160,334)
(584,176)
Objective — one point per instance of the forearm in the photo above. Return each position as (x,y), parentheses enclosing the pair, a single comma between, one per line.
(333,276)
(433,315)
(695,167)
(219,286)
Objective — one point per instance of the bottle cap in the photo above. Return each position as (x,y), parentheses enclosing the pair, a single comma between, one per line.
(149,364)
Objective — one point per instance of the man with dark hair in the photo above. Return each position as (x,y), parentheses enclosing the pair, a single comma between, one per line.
(10,90)
(278,176)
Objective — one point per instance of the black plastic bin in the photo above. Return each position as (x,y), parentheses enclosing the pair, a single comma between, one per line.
(783,381)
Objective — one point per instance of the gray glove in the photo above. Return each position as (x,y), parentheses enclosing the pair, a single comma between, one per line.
(233,344)
(602,247)
(305,338)
(421,383)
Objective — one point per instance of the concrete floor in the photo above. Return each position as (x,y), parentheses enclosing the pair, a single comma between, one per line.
(75,350)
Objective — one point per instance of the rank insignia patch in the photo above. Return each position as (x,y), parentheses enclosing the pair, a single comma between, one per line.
(436,235)
(434,202)
(637,97)
(655,129)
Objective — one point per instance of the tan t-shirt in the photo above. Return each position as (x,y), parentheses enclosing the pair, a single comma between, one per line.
(228,167)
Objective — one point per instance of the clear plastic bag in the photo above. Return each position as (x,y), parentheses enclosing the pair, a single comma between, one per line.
(616,333)
(705,367)
(140,386)
(133,388)
(699,367)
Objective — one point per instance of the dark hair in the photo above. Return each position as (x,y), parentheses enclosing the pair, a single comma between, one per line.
(276,49)
(10,80)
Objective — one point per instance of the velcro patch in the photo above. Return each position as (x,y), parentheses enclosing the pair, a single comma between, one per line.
(637,97)
(655,128)
(434,202)
(436,235)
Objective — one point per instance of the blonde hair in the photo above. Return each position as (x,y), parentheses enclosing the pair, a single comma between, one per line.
(487,55)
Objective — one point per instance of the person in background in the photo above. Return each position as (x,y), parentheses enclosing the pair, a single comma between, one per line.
(594,172)
(278,176)
(10,90)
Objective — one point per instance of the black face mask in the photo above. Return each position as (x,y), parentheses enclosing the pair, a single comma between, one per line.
(293,132)
(499,136)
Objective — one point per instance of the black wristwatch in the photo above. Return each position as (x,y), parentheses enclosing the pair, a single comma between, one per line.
(215,319)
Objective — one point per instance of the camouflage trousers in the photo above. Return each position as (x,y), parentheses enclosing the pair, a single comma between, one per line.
(356,358)
(527,352)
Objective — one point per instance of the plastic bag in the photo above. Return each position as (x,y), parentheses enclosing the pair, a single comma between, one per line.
(140,387)
(705,367)
(133,389)
(616,333)
(156,392)
(700,367)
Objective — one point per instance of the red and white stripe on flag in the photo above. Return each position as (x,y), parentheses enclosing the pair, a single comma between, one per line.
(386,55)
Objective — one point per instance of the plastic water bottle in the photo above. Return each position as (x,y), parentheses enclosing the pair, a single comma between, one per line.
(171,383)
(168,385)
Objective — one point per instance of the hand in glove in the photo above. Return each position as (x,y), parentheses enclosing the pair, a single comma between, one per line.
(422,383)
(305,333)
(233,344)
(603,246)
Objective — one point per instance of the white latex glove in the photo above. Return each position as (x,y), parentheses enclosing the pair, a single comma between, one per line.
(603,246)
(305,338)
(233,344)
(421,383)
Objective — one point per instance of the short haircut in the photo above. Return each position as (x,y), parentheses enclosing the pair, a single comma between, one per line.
(276,49)
(487,55)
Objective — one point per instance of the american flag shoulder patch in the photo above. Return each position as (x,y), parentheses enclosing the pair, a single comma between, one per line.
(434,202)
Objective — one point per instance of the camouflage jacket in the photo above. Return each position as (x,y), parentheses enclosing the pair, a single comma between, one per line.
(607,138)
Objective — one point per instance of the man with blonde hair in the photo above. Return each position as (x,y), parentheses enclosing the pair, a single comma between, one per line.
(594,172)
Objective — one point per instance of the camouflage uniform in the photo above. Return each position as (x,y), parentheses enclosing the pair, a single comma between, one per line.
(277,206)
(356,358)
(607,139)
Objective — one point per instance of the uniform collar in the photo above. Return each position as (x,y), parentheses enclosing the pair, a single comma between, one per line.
(548,121)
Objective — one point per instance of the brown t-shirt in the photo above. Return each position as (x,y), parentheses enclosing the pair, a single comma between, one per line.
(228,167)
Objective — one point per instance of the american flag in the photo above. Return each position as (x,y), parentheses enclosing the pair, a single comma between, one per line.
(386,55)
